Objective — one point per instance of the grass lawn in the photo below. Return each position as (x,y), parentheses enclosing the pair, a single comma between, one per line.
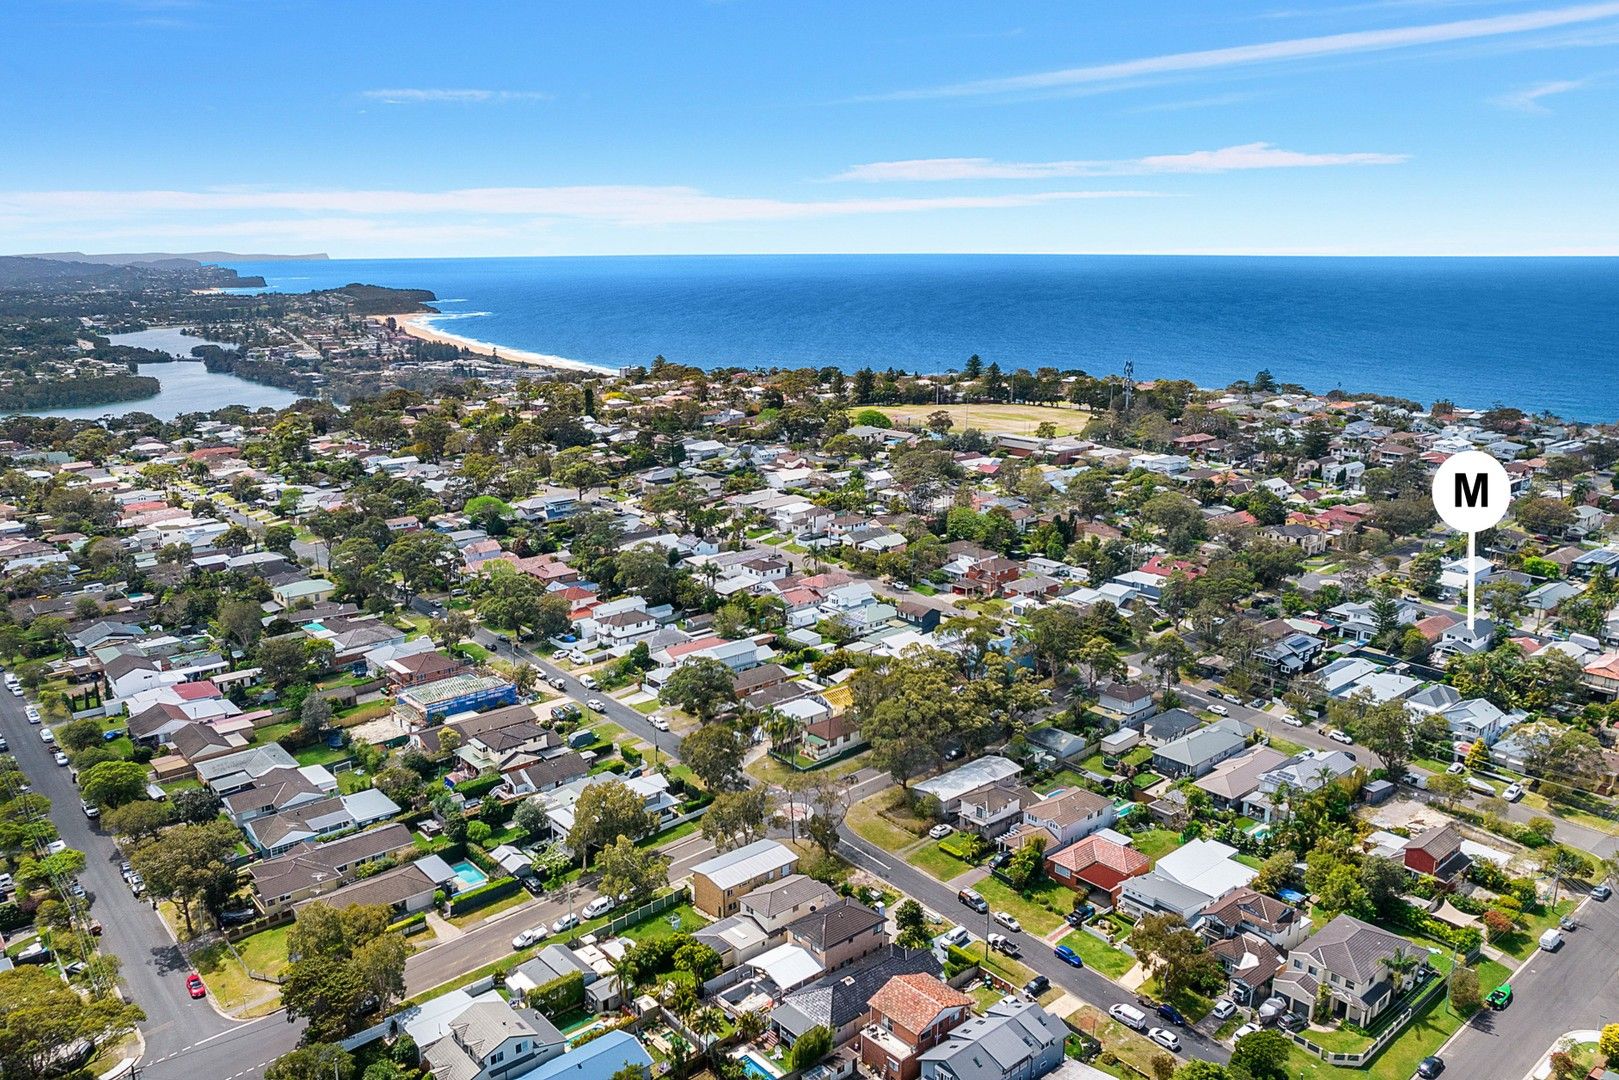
(1285,746)
(266,951)
(771,771)
(1193,1006)
(320,754)
(1253,862)
(516,899)
(985,996)
(1068,778)
(658,926)
(1521,944)
(865,818)
(232,988)
(1156,843)
(1033,914)
(1099,955)
(669,836)
(1126,1045)
(993,416)
(472,651)
(937,861)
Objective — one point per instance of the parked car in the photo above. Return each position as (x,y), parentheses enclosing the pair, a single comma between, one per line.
(597,704)
(1165,1038)
(660,723)
(1456,768)
(1293,1021)
(1513,792)
(1172,1014)
(1246,1029)
(1219,710)
(1000,859)
(1272,1008)
(1128,1015)
(1259,703)
(91,810)
(47,736)
(588,681)
(1068,956)
(599,906)
(1567,923)
(194,986)
(557,682)
(60,758)
(1223,1009)
(529,937)
(940,831)
(1292,721)
(1430,1066)
(974,901)
(1337,735)
(56,847)
(4,746)
(1037,986)
(1601,892)
(1078,916)
(567,922)
(1500,997)
(957,936)
(1006,919)
(1005,945)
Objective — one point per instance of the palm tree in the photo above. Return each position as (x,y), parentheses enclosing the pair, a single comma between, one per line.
(706,1023)
(750,1025)
(1400,964)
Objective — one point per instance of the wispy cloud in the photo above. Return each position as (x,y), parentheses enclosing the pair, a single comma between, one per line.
(1528,99)
(450,96)
(634,206)
(1096,76)
(1213,101)
(1248,156)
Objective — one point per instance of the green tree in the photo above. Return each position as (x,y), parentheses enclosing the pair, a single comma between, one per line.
(701,687)
(626,868)
(188,864)
(1175,954)
(810,1047)
(1464,989)
(605,812)
(714,753)
(913,927)
(139,820)
(1198,1069)
(1274,873)
(111,784)
(1262,1055)
(1025,867)
(736,818)
(78,734)
(349,967)
(1608,1042)
(317,1061)
(40,1014)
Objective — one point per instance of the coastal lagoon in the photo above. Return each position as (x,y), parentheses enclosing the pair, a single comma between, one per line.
(1542,334)
(187,386)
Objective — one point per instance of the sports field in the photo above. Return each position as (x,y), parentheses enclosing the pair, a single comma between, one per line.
(1018,419)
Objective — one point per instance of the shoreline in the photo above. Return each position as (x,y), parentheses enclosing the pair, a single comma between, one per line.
(419,325)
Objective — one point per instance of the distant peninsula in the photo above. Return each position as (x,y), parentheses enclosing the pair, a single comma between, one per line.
(148,258)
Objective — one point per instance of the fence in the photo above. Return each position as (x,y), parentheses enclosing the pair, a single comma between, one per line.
(658,906)
(1361,1058)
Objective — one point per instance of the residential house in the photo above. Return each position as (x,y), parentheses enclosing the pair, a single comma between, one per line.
(483,1038)
(1250,963)
(839,933)
(311,869)
(1062,818)
(993,809)
(1244,911)
(841,1001)
(1127,702)
(1015,1039)
(720,883)
(950,787)
(1098,863)
(1438,853)
(1351,959)
(1198,752)
(911,1014)
(421,705)
(1231,782)
(1168,726)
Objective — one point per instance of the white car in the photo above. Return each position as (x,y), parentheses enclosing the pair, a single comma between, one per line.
(1223,1009)
(56,847)
(597,704)
(46,735)
(1245,1030)
(1337,735)
(557,682)
(588,681)
(528,937)
(1165,1038)
(1006,919)
(1456,768)
(1219,710)
(939,832)
(660,723)
(61,758)
(1292,721)
(1513,792)
(567,922)
(599,906)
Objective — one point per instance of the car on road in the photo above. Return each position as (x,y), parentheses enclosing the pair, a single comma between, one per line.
(60,758)
(1006,919)
(76,889)
(1219,710)
(597,704)
(531,936)
(557,682)
(1456,768)
(957,936)
(1567,923)
(900,586)
(1223,1009)
(1292,721)
(940,831)
(974,901)
(137,885)
(1246,1030)
(1500,997)
(1601,892)
(1068,956)
(1128,1015)
(1037,986)
(659,722)
(588,681)
(194,986)
(1172,1014)
(567,922)
(1338,735)
(1259,703)
(91,810)
(599,906)
(1165,1038)
(4,746)
(125,869)
(1512,792)
(56,847)
(1430,1066)
(47,736)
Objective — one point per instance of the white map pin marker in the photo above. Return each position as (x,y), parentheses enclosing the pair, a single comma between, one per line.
(1471,491)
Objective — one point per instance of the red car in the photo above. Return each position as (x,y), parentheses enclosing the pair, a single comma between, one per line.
(194,986)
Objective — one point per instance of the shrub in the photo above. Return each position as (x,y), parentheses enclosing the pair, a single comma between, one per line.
(483,895)
(559,996)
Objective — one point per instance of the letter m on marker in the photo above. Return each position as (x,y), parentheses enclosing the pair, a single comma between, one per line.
(1474,493)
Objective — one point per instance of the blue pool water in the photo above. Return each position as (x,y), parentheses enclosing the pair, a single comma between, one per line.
(755,1069)
(468,875)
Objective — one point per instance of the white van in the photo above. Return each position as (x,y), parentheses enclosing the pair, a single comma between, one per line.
(1551,940)
(1481,788)
(1129,1016)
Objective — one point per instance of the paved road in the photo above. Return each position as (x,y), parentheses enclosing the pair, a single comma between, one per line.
(153,969)
(1575,987)
(1083,982)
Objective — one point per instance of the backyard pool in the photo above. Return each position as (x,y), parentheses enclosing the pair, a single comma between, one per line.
(468,876)
(756,1069)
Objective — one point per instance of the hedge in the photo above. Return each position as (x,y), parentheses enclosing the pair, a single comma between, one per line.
(1463,938)
(559,996)
(479,786)
(483,895)
(13,917)
(410,924)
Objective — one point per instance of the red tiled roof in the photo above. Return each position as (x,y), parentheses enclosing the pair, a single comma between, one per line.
(1102,862)
(915,1001)
(197,691)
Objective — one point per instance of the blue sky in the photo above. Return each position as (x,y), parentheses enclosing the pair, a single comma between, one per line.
(417,129)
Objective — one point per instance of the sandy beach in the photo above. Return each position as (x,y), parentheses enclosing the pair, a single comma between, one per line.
(420,324)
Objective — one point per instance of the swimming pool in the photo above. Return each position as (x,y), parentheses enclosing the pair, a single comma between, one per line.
(469,876)
(756,1069)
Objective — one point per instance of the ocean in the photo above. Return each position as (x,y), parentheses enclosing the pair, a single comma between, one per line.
(1541,334)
